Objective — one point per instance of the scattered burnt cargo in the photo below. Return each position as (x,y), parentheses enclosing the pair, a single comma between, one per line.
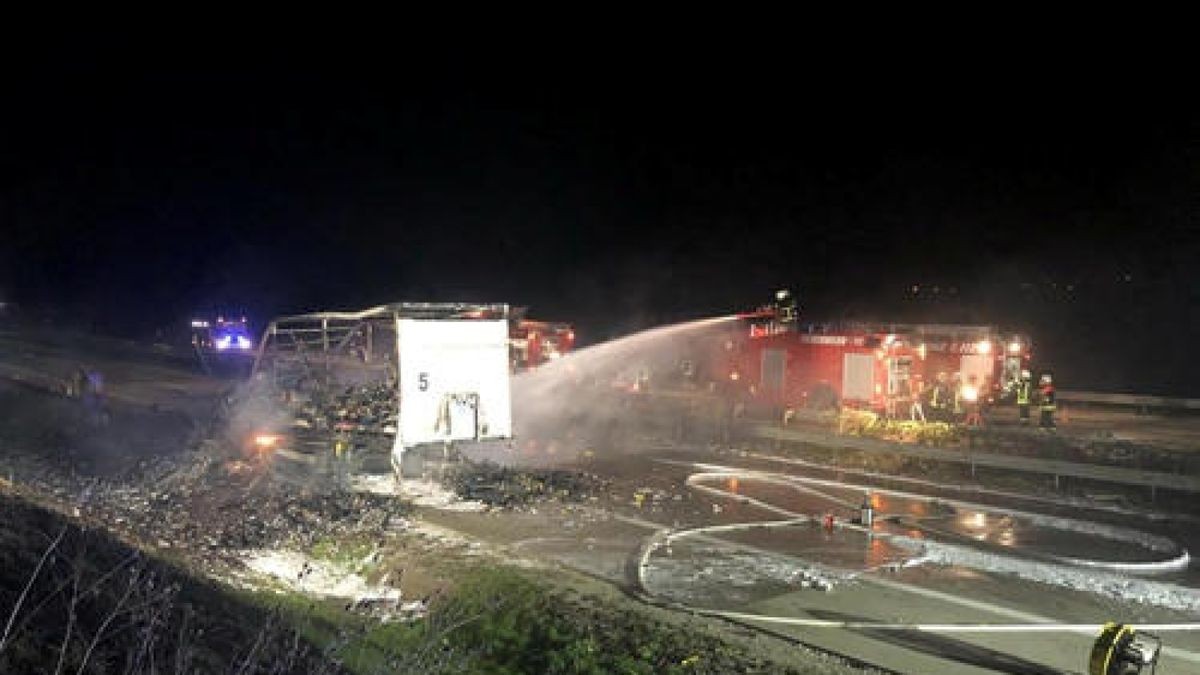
(502,486)
(367,408)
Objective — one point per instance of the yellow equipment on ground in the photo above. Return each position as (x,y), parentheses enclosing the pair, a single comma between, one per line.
(1121,650)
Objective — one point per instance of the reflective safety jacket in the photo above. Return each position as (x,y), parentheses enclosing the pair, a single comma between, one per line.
(1023,391)
(938,398)
(1048,397)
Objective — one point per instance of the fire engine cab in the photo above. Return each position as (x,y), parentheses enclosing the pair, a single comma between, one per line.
(533,343)
(776,361)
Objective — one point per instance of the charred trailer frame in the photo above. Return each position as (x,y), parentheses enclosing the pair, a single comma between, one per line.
(447,364)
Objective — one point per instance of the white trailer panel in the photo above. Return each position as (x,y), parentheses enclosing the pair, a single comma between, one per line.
(454,381)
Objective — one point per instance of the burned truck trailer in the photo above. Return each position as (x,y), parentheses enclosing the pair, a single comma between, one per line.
(403,376)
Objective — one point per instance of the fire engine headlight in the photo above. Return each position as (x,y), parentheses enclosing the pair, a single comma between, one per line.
(223,342)
(243,342)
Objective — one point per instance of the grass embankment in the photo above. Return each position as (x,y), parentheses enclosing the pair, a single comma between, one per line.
(508,620)
(490,618)
(80,600)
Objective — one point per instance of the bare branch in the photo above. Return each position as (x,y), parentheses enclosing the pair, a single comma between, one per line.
(77,572)
(29,584)
(181,651)
(90,590)
(104,625)
(268,626)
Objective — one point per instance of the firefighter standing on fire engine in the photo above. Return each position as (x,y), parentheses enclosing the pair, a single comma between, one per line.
(1024,395)
(1047,402)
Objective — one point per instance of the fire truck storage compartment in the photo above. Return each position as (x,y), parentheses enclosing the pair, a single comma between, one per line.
(899,375)
(774,368)
(858,377)
(979,365)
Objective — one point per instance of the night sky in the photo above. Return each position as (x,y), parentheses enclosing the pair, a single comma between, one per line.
(134,193)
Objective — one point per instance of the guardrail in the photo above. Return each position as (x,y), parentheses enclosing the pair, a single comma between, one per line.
(1059,469)
(1142,403)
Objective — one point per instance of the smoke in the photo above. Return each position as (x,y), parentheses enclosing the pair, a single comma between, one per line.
(254,408)
(582,401)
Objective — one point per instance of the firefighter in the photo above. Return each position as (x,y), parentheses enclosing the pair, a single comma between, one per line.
(1046,402)
(957,398)
(94,400)
(77,383)
(1024,395)
(643,381)
(972,402)
(916,395)
(939,399)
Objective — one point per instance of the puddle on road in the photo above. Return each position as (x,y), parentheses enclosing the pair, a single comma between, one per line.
(1022,536)
(838,548)
(604,558)
(720,577)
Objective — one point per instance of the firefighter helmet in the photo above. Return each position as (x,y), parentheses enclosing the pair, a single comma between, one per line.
(1026,375)
(1046,379)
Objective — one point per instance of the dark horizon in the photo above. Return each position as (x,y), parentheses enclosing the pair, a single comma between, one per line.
(132,198)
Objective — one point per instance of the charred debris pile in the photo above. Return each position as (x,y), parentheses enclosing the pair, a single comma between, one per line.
(369,408)
(309,404)
(211,505)
(217,508)
(507,487)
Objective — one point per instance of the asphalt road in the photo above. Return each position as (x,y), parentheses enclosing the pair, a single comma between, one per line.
(917,595)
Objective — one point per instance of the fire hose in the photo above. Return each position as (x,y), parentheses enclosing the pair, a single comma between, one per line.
(1112,649)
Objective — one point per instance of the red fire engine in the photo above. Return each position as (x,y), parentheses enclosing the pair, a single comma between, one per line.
(533,343)
(782,363)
